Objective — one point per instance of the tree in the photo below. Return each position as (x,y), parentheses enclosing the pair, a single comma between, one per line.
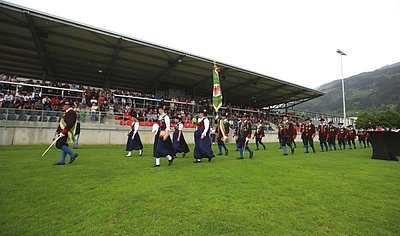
(388,118)
(366,120)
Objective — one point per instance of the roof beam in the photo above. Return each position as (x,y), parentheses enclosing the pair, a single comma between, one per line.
(111,64)
(160,77)
(299,102)
(46,64)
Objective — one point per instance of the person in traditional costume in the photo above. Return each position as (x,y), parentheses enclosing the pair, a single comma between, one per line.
(351,136)
(66,133)
(259,134)
(134,142)
(202,140)
(178,139)
(332,134)
(323,134)
(287,133)
(77,129)
(342,136)
(309,134)
(362,134)
(244,136)
(162,142)
(222,133)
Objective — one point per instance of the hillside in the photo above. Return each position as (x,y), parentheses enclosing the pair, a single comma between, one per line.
(368,91)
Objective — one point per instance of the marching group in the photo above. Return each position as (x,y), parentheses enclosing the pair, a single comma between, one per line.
(165,146)
(327,133)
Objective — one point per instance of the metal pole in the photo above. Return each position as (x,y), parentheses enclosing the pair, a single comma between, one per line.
(344,99)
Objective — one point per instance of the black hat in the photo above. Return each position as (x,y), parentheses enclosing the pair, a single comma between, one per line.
(322,119)
(350,126)
(340,123)
(330,122)
(308,118)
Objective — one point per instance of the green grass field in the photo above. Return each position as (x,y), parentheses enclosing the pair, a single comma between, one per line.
(103,192)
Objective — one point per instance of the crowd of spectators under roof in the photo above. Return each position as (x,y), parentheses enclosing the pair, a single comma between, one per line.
(102,99)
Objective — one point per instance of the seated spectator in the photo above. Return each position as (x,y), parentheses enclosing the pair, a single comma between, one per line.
(38,105)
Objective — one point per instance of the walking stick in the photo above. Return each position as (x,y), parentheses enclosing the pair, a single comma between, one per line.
(51,145)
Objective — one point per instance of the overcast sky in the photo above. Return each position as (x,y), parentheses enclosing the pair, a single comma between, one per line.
(291,40)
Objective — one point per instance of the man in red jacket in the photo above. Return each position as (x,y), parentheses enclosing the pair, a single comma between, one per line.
(244,135)
(66,132)
(309,134)
(287,133)
(351,136)
(323,134)
(342,136)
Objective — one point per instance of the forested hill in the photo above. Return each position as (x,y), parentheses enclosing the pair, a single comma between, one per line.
(369,91)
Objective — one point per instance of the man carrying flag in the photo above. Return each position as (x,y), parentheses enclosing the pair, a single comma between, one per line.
(222,133)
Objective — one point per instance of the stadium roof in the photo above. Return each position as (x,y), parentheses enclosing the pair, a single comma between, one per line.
(39,45)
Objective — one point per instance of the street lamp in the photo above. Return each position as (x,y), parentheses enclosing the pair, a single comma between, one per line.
(344,100)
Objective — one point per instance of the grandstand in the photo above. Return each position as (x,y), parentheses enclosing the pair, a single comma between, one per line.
(40,46)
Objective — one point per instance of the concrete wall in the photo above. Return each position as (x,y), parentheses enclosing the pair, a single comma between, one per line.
(93,135)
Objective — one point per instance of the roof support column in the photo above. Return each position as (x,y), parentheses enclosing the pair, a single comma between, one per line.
(160,77)
(286,108)
(111,64)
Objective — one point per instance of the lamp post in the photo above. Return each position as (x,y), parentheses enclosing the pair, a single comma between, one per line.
(344,99)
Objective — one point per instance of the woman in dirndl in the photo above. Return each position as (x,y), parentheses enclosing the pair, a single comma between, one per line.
(178,140)
(202,140)
(162,142)
(134,142)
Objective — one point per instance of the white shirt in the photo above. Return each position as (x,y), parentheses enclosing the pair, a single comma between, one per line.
(206,125)
(180,126)
(166,120)
(136,127)
(154,128)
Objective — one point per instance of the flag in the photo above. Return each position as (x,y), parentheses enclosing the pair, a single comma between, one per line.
(217,93)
